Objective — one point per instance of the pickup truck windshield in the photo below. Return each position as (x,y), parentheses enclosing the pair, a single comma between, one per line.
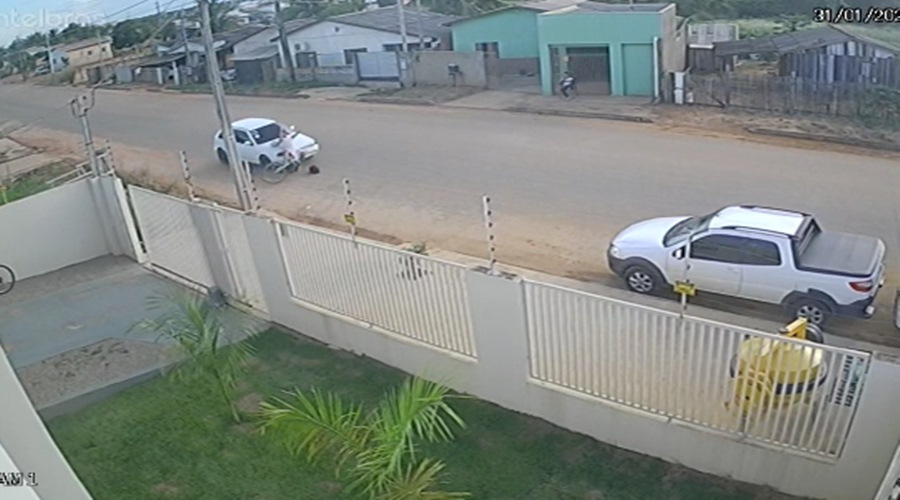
(267,133)
(680,232)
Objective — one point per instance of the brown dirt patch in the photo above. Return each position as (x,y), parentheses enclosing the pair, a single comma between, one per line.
(87,368)
(433,94)
(732,123)
(249,403)
(335,226)
(165,489)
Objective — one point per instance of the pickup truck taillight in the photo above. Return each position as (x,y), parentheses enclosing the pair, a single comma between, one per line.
(862,286)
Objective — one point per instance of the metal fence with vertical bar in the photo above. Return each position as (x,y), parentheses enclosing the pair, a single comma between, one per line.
(240,258)
(172,241)
(687,370)
(409,294)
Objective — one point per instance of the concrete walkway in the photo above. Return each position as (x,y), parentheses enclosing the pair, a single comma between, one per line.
(71,332)
(625,108)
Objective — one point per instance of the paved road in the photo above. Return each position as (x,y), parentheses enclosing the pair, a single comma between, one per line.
(561,187)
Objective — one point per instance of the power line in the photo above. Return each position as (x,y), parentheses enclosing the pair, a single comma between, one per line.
(126,9)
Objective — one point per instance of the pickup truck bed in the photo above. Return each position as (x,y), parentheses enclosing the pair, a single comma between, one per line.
(841,253)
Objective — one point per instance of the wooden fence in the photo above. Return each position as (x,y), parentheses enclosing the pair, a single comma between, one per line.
(876,105)
(839,68)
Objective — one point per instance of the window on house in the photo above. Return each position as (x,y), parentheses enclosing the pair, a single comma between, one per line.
(397,47)
(350,55)
(90,52)
(305,60)
(488,47)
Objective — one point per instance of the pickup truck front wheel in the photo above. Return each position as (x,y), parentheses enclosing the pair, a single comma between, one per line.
(642,279)
(815,311)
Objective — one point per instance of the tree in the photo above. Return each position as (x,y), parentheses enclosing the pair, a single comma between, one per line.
(218,16)
(316,9)
(374,452)
(197,330)
(129,33)
(24,64)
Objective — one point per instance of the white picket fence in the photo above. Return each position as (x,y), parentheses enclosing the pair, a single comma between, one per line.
(418,297)
(654,361)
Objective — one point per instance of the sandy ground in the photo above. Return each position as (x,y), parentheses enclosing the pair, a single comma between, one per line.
(98,365)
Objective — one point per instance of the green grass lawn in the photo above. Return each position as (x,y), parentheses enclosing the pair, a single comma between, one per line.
(164,440)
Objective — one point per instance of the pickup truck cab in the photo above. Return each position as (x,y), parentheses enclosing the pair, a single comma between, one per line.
(757,253)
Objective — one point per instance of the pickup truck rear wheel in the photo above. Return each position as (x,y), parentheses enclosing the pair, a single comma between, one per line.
(815,311)
(641,279)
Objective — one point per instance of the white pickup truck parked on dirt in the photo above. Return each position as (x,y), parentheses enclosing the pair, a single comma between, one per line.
(757,253)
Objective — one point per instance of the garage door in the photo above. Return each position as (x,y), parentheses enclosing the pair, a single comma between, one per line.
(374,66)
(637,60)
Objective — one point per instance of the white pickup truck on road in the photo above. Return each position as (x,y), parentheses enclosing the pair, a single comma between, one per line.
(758,253)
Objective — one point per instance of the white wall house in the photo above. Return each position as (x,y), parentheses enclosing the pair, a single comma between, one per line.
(334,43)
(334,40)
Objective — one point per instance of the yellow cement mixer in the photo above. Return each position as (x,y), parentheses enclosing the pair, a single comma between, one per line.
(771,374)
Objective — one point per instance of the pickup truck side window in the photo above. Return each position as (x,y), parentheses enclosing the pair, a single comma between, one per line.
(718,248)
(761,253)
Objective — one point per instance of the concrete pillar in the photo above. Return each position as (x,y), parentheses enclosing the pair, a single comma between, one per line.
(616,69)
(206,221)
(547,82)
(111,229)
(497,305)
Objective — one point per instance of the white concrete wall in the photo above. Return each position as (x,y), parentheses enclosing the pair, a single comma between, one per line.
(61,227)
(430,68)
(26,446)
(333,38)
(500,375)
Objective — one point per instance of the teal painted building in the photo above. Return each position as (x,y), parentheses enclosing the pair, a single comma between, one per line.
(612,49)
(513,30)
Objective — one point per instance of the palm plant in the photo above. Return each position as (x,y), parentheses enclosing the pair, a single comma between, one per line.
(197,331)
(375,452)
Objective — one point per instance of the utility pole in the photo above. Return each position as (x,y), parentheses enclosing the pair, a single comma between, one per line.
(402,18)
(419,23)
(50,56)
(215,80)
(287,60)
(188,55)
(80,107)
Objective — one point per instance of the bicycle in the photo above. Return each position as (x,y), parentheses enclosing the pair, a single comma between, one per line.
(275,172)
(7,279)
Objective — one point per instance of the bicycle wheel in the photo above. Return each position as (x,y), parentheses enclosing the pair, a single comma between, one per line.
(274,173)
(7,279)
